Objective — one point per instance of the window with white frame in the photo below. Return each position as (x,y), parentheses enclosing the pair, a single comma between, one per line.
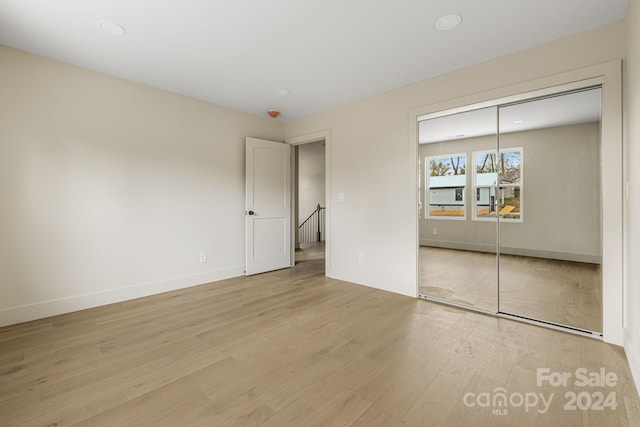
(498,183)
(445,183)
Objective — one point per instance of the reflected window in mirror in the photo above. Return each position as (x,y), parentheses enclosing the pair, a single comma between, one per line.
(445,185)
(498,183)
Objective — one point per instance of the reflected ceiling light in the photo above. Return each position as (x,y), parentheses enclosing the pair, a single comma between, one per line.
(448,22)
(518,121)
(284,92)
(111,27)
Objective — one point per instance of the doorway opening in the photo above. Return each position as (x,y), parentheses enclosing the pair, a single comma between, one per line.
(310,205)
(311,195)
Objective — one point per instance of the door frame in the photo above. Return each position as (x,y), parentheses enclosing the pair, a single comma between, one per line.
(610,76)
(323,135)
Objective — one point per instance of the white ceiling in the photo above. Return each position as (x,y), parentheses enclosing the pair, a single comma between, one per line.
(240,53)
(567,109)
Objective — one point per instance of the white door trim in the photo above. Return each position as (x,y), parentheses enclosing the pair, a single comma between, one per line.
(610,74)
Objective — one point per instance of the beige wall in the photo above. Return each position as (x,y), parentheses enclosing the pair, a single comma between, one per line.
(561,196)
(110,189)
(371,160)
(632,175)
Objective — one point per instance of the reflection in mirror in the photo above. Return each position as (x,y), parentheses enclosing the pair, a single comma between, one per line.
(550,233)
(497,177)
(497,237)
(445,184)
(457,254)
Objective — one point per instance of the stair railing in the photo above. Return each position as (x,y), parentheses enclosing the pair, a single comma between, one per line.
(313,228)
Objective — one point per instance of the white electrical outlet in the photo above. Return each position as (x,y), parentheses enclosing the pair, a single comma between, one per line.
(341,197)
(361,258)
(435,231)
(203,257)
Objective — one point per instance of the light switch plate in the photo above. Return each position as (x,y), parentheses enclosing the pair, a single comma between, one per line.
(626,190)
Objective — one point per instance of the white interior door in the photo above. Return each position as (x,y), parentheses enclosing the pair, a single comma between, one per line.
(268,206)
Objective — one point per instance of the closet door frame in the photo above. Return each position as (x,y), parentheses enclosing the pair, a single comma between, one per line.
(609,76)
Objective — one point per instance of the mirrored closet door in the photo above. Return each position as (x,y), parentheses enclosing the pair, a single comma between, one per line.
(550,209)
(510,209)
(454,200)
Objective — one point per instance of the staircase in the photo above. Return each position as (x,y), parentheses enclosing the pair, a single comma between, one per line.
(313,228)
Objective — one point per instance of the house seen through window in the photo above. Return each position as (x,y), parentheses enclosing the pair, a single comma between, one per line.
(498,184)
(445,184)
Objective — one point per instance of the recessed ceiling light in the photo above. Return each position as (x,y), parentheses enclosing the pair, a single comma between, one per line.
(448,22)
(460,135)
(518,121)
(110,27)
(284,92)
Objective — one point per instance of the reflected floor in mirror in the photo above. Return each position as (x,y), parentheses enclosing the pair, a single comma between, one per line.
(463,277)
(563,292)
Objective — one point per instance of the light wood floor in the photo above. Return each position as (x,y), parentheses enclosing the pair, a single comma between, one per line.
(310,251)
(563,292)
(291,347)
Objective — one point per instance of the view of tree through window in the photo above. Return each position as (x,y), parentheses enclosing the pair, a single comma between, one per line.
(486,163)
(445,166)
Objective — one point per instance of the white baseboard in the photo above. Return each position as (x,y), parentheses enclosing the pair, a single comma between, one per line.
(534,253)
(374,281)
(632,350)
(40,310)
